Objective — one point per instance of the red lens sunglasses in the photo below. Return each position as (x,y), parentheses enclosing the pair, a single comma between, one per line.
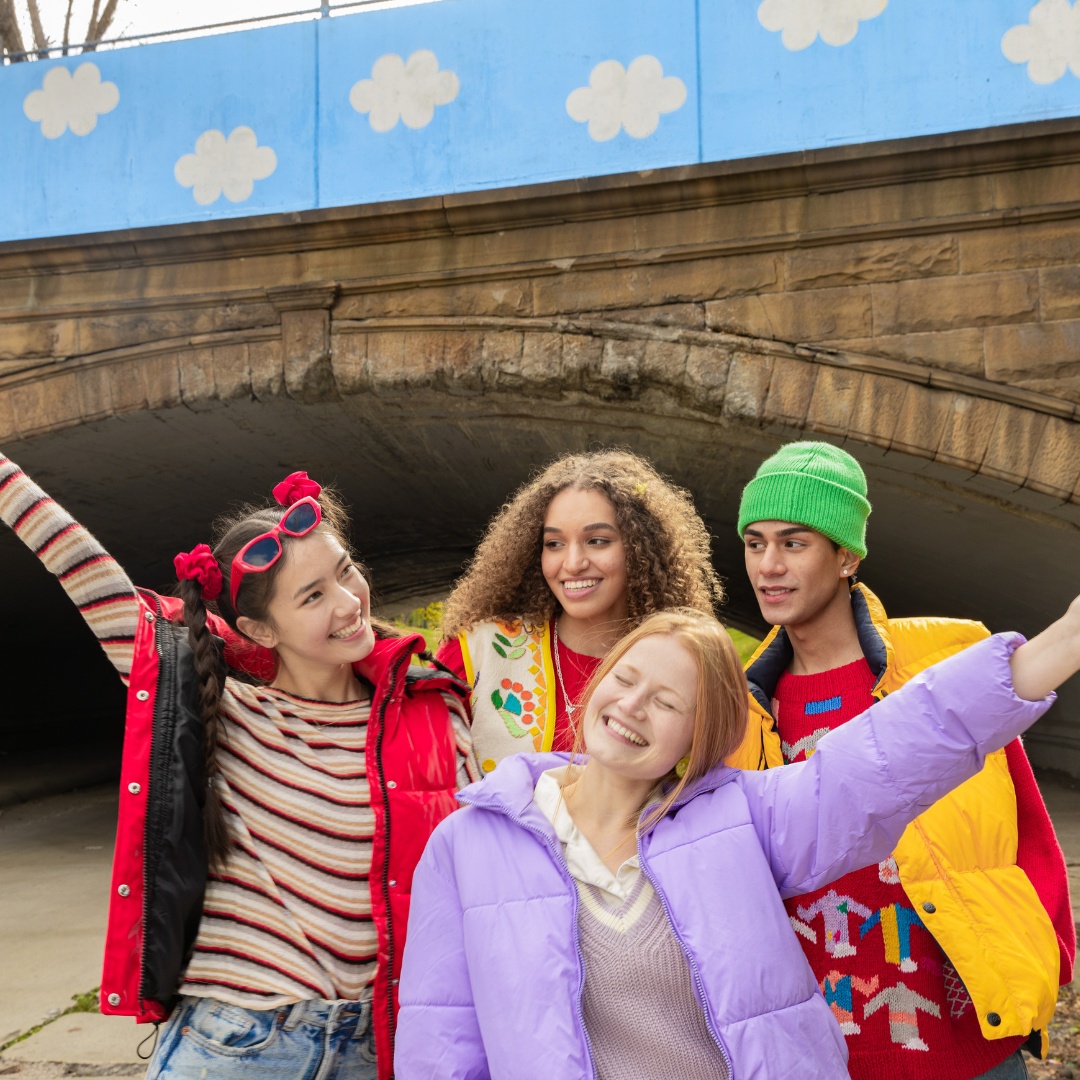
(261,553)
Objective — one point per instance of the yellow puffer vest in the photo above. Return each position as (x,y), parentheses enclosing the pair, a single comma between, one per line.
(957,860)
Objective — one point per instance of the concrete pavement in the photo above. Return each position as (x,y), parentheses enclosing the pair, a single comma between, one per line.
(54,864)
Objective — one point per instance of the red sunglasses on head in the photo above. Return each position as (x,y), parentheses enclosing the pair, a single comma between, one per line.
(261,553)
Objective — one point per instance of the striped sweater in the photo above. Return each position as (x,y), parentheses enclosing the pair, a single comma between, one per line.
(288,915)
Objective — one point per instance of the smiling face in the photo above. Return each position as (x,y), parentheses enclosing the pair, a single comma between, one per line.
(319,614)
(583,558)
(798,574)
(640,718)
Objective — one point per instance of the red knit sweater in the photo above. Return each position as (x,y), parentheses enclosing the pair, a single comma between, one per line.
(899,1001)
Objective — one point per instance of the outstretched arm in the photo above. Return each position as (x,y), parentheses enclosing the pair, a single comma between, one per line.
(848,804)
(1048,659)
(97,585)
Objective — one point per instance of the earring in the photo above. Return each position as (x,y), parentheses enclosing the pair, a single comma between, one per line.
(682,765)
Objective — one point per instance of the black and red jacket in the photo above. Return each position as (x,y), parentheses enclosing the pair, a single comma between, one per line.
(160,865)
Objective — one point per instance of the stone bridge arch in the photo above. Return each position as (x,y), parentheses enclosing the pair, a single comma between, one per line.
(912,303)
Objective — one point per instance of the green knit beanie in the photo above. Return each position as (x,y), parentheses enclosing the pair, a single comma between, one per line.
(813,484)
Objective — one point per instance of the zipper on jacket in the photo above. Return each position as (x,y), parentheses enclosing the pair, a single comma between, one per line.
(691,963)
(560,861)
(388,696)
(160,734)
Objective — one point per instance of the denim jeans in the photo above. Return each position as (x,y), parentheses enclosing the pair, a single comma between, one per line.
(1012,1068)
(206,1039)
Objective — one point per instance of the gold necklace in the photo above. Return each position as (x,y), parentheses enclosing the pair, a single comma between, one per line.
(571,708)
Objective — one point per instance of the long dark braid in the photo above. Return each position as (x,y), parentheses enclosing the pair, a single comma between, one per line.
(210,673)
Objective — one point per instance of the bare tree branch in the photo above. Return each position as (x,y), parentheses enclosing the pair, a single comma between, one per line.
(67,26)
(40,40)
(11,39)
(101,27)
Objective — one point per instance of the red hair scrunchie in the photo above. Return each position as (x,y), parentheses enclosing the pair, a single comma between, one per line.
(294,487)
(199,565)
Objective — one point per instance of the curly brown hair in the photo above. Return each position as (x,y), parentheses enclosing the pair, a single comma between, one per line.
(668,560)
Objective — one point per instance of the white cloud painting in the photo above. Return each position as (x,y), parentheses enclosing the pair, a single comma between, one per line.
(72,100)
(1049,43)
(802,22)
(405,90)
(631,99)
(225,166)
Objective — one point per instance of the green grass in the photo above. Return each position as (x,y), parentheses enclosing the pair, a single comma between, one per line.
(84,1003)
(744,643)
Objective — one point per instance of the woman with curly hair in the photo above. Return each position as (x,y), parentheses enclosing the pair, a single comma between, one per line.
(579,556)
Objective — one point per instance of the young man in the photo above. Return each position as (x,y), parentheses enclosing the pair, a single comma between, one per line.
(943,961)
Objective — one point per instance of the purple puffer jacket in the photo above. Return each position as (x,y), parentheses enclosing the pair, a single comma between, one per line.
(493,975)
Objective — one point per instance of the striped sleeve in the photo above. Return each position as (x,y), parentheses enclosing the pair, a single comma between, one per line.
(468,768)
(98,587)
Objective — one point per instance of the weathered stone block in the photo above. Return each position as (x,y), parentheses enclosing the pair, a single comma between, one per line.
(967,432)
(836,391)
(161,376)
(266,363)
(541,358)
(921,420)
(664,363)
(620,368)
(1055,468)
(951,350)
(1012,444)
(810,315)
(1059,292)
(1036,350)
(870,261)
(47,404)
(386,358)
(197,375)
(462,360)
(791,389)
(305,341)
(501,357)
(909,307)
(56,339)
(422,357)
(8,427)
(1015,246)
(349,358)
(877,410)
(687,316)
(581,357)
(653,284)
(232,375)
(707,369)
(95,394)
(127,386)
(747,386)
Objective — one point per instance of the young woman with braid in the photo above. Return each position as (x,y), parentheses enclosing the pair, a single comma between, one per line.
(579,556)
(260,895)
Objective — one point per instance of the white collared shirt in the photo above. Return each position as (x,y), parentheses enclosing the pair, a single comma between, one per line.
(582,860)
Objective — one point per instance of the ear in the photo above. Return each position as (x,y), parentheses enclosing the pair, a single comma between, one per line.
(257,631)
(849,563)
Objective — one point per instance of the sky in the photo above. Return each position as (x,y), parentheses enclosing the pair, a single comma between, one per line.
(154,16)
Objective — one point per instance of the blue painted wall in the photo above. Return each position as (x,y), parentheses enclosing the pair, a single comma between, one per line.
(463,95)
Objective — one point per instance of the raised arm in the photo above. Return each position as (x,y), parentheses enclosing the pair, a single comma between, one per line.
(98,587)
(847,806)
(1048,659)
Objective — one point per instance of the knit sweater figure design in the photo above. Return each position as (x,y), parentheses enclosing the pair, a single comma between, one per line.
(883,975)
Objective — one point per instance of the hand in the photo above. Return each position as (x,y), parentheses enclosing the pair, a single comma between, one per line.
(1048,659)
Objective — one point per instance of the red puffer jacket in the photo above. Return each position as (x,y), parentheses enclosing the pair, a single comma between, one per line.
(159,867)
